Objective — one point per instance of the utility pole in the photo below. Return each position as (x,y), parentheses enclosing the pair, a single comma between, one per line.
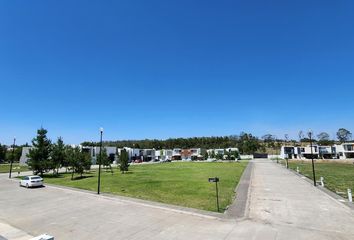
(13,157)
(99,165)
(313,164)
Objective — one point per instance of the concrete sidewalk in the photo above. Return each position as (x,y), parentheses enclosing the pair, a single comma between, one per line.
(12,233)
(284,200)
(281,205)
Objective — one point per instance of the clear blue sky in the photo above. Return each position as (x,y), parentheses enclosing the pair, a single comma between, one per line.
(160,69)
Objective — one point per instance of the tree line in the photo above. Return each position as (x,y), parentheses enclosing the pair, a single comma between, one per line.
(6,156)
(45,156)
(52,155)
(245,142)
(322,138)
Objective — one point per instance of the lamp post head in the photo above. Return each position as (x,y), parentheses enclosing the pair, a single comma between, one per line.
(101,129)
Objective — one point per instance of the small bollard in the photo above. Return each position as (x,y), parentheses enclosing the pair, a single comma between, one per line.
(350,197)
(322,181)
(297,170)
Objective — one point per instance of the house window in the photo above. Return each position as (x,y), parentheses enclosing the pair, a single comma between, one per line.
(349,147)
(333,150)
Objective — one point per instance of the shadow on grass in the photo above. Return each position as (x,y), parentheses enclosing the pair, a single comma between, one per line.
(81,177)
(53,176)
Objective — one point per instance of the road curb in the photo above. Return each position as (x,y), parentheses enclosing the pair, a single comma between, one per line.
(239,207)
(163,206)
(10,232)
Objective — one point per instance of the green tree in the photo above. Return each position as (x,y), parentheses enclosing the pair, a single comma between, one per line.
(268,138)
(39,155)
(84,163)
(58,155)
(234,155)
(301,135)
(3,150)
(228,154)
(123,160)
(344,135)
(248,144)
(71,159)
(212,154)
(323,136)
(323,139)
(219,156)
(104,159)
(206,155)
(66,161)
(14,156)
(78,161)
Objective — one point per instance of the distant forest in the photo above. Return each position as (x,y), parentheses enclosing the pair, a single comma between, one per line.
(202,142)
(247,143)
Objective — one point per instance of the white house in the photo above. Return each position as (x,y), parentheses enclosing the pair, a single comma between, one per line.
(345,150)
(95,151)
(148,154)
(163,154)
(342,151)
(177,154)
(295,152)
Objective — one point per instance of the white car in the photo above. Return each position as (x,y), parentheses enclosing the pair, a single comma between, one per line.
(31,181)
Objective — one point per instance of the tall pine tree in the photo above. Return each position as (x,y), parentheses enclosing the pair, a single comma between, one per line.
(123,160)
(58,155)
(39,155)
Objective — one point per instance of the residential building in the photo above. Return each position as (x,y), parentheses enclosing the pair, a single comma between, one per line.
(341,151)
(294,152)
(163,154)
(191,154)
(95,151)
(345,150)
(177,154)
(147,154)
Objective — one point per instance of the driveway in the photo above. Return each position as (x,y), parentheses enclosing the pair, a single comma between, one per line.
(281,206)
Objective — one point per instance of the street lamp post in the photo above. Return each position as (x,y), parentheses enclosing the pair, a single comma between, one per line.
(313,164)
(286,156)
(99,164)
(13,156)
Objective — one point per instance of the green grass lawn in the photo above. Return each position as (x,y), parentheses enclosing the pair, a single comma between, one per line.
(338,177)
(5,168)
(184,184)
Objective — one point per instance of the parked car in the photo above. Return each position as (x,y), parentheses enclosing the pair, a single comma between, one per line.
(31,181)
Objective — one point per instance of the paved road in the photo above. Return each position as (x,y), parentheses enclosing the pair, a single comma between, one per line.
(287,202)
(281,206)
